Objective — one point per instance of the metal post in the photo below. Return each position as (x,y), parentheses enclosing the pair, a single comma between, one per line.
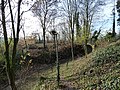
(54,33)
(57,61)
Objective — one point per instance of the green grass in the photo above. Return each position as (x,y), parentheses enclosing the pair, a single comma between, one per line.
(83,73)
(67,73)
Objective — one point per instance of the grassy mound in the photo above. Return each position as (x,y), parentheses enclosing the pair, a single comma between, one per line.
(99,71)
(111,54)
(64,53)
(104,70)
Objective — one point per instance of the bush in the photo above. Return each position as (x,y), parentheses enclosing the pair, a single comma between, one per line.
(64,53)
(107,55)
(31,46)
(3,76)
(112,83)
(108,83)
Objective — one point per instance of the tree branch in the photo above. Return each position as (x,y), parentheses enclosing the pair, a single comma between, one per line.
(11,13)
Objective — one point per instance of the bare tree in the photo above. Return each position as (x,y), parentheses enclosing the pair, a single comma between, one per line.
(80,15)
(68,11)
(89,8)
(10,59)
(45,10)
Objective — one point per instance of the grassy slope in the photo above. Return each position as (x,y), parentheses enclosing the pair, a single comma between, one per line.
(80,74)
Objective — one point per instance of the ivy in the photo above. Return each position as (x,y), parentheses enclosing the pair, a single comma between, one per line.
(107,55)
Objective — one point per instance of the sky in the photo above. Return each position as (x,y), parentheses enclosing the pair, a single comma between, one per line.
(107,18)
(31,23)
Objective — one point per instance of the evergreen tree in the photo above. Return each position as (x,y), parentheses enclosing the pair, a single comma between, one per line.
(118,10)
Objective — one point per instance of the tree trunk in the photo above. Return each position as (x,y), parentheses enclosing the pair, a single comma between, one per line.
(85,48)
(10,63)
(9,69)
(113,32)
(72,45)
(44,43)
(86,27)
(11,78)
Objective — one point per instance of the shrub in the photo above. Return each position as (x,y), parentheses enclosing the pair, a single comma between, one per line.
(64,53)
(107,55)
(3,76)
(112,83)
(31,46)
